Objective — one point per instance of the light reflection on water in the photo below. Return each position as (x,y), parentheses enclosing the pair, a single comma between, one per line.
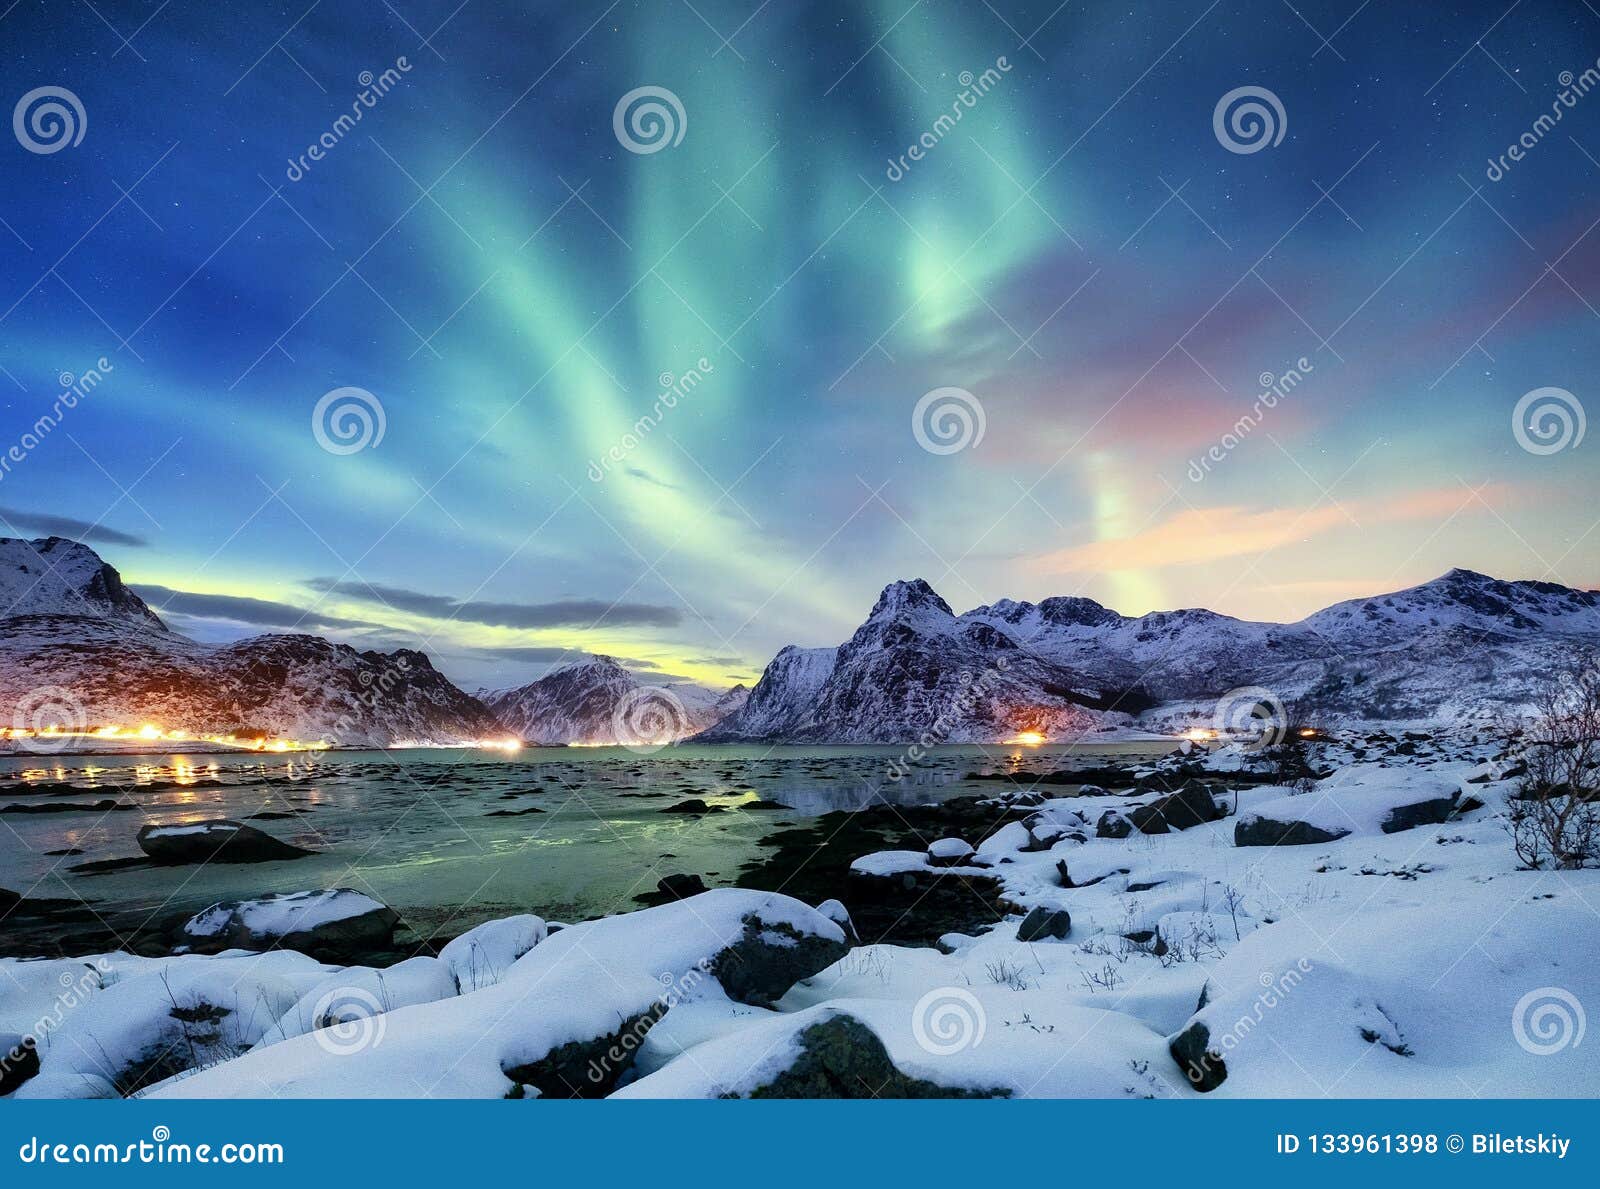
(440,834)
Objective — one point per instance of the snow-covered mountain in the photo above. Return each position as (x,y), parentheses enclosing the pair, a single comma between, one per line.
(596,700)
(54,575)
(915,670)
(1462,647)
(79,650)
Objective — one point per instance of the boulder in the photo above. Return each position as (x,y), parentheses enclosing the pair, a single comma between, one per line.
(770,957)
(842,1058)
(1362,799)
(1191,1050)
(836,912)
(1113,824)
(481,956)
(219,840)
(334,924)
(949,852)
(680,887)
(19,1061)
(1257,830)
(1044,923)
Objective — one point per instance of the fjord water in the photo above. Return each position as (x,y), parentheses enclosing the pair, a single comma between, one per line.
(442,836)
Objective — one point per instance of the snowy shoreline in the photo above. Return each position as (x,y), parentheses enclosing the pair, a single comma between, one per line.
(1139,946)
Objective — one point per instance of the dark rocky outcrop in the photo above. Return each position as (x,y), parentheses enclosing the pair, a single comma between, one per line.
(842,1058)
(1199,1063)
(769,958)
(19,1062)
(220,840)
(1043,923)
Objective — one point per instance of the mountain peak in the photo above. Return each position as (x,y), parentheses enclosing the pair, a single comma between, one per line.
(58,576)
(912,594)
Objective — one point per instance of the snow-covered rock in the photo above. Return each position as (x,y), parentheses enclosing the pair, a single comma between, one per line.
(217,840)
(350,998)
(332,921)
(1409,1002)
(481,956)
(1360,799)
(570,1015)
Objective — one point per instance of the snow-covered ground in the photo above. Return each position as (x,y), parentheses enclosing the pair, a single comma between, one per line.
(1396,959)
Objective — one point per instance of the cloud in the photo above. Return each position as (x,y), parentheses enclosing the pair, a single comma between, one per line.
(238,609)
(563,613)
(709,661)
(66,526)
(1198,535)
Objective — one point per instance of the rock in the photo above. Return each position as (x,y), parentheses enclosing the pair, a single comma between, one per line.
(1203,1067)
(949,852)
(842,1058)
(335,925)
(836,912)
(19,1061)
(219,840)
(1430,812)
(680,887)
(1148,819)
(1113,824)
(692,805)
(1192,805)
(481,956)
(8,900)
(770,958)
(588,1068)
(1264,831)
(1044,923)
(1366,800)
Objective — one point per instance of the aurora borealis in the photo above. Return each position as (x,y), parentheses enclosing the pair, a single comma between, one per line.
(518,290)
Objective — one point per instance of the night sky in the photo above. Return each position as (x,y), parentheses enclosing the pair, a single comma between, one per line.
(1105,281)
